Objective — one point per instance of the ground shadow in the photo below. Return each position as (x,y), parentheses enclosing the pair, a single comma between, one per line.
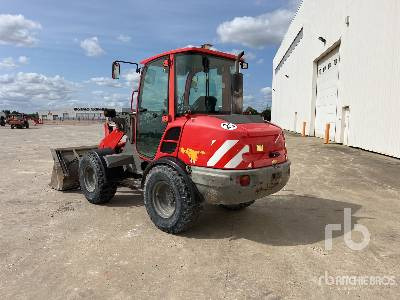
(72,191)
(279,220)
(282,220)
(126,199)
(123,198)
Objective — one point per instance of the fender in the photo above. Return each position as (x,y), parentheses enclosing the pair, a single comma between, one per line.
(180,167)
(112,139)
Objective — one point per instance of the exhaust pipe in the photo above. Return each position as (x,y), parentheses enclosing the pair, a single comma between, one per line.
(237,63)
(237,83)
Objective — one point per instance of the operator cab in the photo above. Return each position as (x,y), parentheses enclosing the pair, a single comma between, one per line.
(203,84)
(199,80)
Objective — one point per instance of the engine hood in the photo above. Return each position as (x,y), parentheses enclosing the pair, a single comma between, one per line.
(231,142)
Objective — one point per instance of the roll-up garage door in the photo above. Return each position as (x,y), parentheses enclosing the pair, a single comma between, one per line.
(327,94)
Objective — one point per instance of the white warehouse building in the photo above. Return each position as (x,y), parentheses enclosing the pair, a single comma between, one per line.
(339,64)
(77,113)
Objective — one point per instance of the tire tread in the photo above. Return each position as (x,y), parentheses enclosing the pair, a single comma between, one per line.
(105,189)
(190,206)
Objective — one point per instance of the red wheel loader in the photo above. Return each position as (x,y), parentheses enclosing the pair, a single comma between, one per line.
(186,143)
(19,121)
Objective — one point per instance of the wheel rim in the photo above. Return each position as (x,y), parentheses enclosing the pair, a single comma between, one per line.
(163,200)
(90,179)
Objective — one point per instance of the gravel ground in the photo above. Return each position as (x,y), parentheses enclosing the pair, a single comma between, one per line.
(57,245)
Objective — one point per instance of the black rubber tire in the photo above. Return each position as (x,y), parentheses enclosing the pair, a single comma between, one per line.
(239,206)
(103,190)
(187,206)
(12,126)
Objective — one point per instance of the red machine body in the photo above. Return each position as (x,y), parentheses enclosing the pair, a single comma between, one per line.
(112,139)
(210,141)
(206,143)
(187,142)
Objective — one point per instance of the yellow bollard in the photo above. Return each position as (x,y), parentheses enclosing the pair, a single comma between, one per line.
(327,129)
(303,132)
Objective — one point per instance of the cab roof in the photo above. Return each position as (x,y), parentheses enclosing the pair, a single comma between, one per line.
(193,50)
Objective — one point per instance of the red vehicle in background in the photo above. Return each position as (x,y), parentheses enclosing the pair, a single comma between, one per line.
(19,121)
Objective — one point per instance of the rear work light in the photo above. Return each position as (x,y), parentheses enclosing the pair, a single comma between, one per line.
(244,180)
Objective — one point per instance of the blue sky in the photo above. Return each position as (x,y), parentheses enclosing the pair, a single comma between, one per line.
(58,53)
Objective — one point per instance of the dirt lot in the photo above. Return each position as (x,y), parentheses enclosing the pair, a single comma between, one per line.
(57,245)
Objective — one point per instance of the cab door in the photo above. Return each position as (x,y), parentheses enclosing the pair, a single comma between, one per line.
(153,104)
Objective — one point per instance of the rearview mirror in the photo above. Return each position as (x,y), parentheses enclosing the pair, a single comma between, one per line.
(244,65)
(116,69)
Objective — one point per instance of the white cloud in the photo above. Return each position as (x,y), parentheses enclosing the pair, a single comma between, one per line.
(33,90)
(92,46)
(263,30)
(260,61)
(247,99)
(7,63)
(10,63)
(124,38)
(260,102)
(267,92)
(249,55)
(18,31)
(132,78)
(23,60)
(104,81)
(111,99)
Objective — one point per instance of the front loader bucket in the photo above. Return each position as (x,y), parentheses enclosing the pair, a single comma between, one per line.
(66,163)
